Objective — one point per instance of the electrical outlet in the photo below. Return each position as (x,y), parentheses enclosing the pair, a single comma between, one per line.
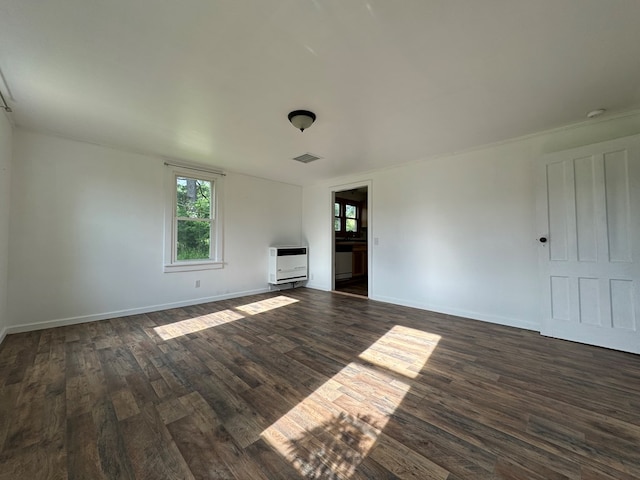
(197,283)
(311,277)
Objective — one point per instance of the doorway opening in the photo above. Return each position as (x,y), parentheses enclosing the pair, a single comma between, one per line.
(350,241)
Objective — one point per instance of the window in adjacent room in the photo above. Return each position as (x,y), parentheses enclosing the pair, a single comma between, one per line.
(193,224)
(346,217)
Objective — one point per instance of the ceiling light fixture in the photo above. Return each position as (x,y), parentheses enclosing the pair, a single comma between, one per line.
(302,119)
(595,113)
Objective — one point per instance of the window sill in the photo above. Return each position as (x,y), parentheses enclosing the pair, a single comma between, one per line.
(192,266)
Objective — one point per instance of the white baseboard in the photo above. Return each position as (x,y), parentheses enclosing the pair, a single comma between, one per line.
(318,286)
(343,276)
(124,313)
(509,322)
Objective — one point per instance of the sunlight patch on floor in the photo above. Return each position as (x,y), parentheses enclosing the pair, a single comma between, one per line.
(402,350)
(329,433)
(192,325)
(266,305)
(197,324)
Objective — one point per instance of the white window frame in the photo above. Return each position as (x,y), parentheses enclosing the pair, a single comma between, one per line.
(171,264)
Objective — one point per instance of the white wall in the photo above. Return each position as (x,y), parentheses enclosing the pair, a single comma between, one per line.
(86,239)
(457,233)
(6,135)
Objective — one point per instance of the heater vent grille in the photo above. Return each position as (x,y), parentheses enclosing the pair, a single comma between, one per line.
(306,158)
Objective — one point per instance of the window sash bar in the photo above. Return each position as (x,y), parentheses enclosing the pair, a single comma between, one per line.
(210,220)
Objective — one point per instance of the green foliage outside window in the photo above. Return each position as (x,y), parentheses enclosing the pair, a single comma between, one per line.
(195,219)
(350,211)
(345,217)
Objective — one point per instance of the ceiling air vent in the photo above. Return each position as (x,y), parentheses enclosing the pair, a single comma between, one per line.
(306,158)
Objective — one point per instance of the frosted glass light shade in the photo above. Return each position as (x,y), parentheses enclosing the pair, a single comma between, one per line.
(302,119)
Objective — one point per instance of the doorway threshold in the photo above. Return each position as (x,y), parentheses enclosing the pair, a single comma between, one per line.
(348,294)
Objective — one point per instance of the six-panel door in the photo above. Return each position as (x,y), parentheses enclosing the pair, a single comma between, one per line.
(589,214)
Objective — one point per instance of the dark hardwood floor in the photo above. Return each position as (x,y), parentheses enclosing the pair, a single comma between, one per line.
(309,384)
(354,286)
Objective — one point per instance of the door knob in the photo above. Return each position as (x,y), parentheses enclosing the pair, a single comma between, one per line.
(542,239)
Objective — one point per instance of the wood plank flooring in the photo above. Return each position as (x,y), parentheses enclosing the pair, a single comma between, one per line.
(309,384)
(354,286)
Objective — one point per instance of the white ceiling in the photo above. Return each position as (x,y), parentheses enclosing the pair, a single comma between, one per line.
(391,81)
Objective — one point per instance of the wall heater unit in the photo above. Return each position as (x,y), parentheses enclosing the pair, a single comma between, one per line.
(287,264)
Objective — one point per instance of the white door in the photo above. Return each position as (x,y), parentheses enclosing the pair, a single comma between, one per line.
(589,227)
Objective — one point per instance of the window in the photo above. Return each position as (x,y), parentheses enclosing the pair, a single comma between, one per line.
(193,220)
(346,216)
